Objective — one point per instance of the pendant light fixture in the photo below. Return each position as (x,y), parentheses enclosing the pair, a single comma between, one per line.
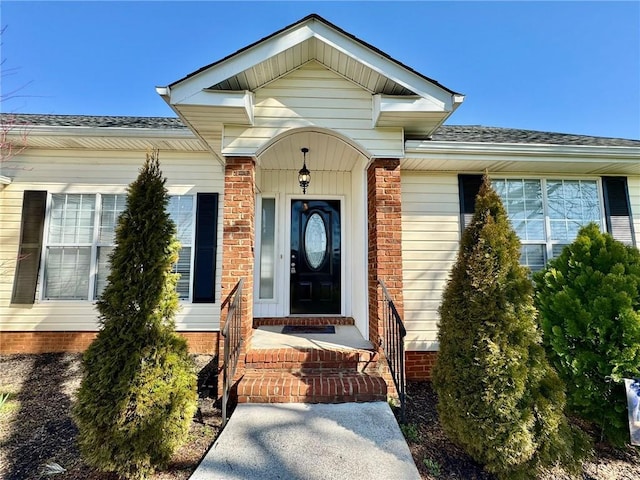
(304,175)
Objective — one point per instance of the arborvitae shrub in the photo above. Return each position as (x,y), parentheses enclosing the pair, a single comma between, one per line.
(138,392)
(589,303)
(498,397)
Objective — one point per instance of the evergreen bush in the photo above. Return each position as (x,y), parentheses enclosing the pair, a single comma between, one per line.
(138,392)
(498,397)
(589,303)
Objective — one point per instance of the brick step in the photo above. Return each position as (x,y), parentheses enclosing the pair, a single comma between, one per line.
(311,360)
(319,387)
(306,321)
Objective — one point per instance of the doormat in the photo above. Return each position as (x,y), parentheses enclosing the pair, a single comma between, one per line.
(309,329)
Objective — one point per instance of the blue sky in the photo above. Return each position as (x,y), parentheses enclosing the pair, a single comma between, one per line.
(571,67)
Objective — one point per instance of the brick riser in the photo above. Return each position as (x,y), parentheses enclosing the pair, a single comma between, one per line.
(311,375)
(318,387)
(311,360)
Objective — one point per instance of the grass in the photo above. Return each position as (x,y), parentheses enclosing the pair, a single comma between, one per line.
(8,405)
(433,467)
(410,432)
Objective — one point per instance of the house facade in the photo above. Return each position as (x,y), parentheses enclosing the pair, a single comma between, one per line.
(389,192)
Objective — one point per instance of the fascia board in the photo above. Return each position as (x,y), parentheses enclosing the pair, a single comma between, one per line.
(238,63)
(128,132)
(407,105)
(5,180)
(398,103)
(240,101)
(419,148)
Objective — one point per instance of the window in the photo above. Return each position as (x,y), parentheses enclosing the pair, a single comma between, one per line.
(112,207)
(81,235)
(267,252)
(69,245)
(181,212)
(547,213)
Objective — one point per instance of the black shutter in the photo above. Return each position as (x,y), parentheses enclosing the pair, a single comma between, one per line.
(34,204)
(468,186)
(617,209)
(204,275)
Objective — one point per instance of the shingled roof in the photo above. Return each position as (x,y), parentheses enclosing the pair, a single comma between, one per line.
(480,134)
(446,133)
(91,121)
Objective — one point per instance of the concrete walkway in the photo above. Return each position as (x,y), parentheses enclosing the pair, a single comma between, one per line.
(291,441)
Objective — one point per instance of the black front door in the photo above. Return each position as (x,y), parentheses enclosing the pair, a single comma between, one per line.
(315,257)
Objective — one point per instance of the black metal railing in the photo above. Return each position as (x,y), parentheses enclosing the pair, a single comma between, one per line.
(392,344)
(232,333)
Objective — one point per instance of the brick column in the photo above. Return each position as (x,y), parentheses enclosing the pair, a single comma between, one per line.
(238,239)
(385,239)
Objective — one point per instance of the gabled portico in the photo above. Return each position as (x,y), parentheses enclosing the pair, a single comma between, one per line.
(311,86)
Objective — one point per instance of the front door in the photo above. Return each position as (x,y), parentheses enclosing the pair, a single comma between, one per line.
(315,257)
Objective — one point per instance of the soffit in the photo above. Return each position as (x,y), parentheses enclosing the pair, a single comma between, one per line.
(521,158)
(104,138)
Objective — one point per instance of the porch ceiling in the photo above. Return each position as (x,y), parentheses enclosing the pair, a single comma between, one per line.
(326,152)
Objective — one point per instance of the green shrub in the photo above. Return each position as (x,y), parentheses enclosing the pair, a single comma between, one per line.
(589,302)
(138,392)
(498,397)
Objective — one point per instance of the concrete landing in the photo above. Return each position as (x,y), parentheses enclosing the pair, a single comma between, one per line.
(311,442)
(346,337)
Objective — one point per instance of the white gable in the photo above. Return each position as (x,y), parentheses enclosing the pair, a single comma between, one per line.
(221,94)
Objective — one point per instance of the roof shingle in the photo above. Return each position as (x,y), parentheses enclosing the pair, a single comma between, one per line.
(446,133)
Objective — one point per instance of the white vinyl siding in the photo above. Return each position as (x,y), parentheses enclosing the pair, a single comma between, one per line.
(430,239)
(313,96)
(77,172)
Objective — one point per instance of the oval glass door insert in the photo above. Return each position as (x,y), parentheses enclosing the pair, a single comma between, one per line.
(315,241)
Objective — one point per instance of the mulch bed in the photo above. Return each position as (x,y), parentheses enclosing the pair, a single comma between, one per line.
(36,429)
(432,450)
